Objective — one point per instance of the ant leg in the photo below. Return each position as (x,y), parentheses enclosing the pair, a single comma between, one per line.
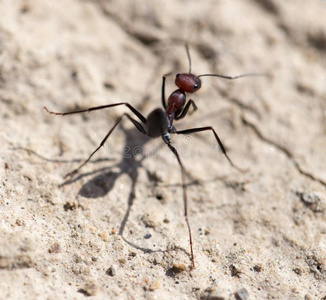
(163,89)
(137,125)
(134,110)
(185,201)
(185,110)
(193,130)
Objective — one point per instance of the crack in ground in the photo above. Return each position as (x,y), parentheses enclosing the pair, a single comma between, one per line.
(284,150)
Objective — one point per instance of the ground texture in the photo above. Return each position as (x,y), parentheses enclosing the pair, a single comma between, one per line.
(116,230)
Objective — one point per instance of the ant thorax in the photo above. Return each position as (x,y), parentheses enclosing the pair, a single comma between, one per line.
(176,103)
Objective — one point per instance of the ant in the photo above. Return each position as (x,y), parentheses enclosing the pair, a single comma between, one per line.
(159,124)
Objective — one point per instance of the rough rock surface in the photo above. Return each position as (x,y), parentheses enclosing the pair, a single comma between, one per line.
(116,230)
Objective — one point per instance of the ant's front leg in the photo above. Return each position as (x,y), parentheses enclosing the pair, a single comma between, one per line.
(207,128)
(185,110)
(163,89)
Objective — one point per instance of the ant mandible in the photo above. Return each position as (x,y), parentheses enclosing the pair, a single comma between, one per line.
(159,124)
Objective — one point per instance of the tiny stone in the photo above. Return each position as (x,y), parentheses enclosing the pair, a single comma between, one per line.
(178,268)
(112,270)
(20,222)
(103,236)
(147,236)
(235,271)
(90,289)
(241,294)
(215,293)
(258,268)
(55,248)
(154,286)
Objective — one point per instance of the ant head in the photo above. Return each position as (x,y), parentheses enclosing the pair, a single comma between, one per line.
(188,82)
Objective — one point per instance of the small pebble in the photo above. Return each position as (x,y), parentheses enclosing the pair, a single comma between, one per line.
(235,270)
(20,222)
(90,289)
(178,268)
(132,254)
(215,293)
(154,286)
(112,270)
(55,248)
(258,268)
(103,236)
(147,236)
(241,294)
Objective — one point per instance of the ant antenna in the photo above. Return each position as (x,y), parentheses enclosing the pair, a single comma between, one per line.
(189,58)
(222,76)
(234,77)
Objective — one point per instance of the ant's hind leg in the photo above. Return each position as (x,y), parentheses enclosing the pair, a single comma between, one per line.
(137,125)
(185,200)
(134,110)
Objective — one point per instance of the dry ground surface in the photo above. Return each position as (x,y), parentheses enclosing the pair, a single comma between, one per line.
(116,230)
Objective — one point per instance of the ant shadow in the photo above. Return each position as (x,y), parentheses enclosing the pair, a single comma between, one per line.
(104,179)
(132,160)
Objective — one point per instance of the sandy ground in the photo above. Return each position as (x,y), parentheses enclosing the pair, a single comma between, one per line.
(116,230)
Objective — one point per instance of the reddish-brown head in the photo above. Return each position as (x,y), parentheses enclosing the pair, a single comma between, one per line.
(188,82)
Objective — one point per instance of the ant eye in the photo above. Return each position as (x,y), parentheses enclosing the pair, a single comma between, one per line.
(196,86)
(177,75)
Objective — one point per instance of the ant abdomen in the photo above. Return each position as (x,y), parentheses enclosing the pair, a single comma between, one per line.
(157,123)
(188,82)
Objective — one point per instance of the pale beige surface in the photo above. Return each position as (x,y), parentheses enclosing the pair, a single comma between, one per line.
(260,234)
